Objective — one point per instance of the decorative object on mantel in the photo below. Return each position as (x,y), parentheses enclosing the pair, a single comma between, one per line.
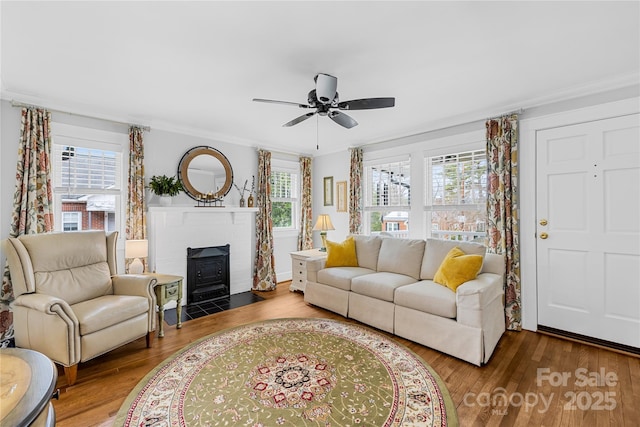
(165,187)
(250,200)
(206,176)
(209,200)
(244,190)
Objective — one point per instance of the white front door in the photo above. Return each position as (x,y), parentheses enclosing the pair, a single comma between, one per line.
(588,229)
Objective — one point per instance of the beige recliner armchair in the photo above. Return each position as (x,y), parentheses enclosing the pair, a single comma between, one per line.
(70,304)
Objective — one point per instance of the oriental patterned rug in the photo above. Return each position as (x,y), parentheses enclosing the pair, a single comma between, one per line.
(291,372)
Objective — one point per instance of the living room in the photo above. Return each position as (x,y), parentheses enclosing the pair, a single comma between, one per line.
(454,106)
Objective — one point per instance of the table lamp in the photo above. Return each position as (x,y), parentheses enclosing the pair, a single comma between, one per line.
(322,225)
(136,249)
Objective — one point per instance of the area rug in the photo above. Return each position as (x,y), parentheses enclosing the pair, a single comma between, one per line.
(291,372)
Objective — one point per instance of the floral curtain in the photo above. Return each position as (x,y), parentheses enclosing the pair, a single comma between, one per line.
(136,227)
(355,191)
(264,275)
(32,200)
(305,238)
(502,208)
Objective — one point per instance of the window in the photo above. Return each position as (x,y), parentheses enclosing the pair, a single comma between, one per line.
(87,178)
(387,197)
(456,195)
(71,221)
(284,197)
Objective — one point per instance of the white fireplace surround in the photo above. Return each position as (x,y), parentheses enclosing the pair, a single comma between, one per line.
(173,229)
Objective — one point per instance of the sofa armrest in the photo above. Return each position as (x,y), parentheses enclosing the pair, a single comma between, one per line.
(138,285)
(313,266)
(473,296)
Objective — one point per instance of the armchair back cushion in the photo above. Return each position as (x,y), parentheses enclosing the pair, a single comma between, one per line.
(74,267)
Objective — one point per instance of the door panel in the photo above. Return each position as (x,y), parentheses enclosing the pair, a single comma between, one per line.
(588,232)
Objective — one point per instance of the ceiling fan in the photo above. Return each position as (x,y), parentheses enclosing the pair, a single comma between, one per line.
(324,99)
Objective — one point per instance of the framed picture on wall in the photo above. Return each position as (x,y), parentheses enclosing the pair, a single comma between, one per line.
(341,196)
(328,191)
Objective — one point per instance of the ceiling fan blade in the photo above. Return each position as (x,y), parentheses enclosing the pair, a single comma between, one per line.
(342,119)
(326,87)
(367,104)
(271,101)
(297,120)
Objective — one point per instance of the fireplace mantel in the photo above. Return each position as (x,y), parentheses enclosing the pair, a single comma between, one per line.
(173,229)
(185,210)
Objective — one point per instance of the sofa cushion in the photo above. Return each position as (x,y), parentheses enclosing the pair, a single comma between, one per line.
(103,312)
(367,251)
(340,277)
(380,285)
(436,250)
(428,297)
(341,254)
(457,268)
(402,256)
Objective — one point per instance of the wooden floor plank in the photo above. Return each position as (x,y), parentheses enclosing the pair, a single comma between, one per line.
(104,383)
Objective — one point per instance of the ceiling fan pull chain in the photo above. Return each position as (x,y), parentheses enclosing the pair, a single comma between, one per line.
(317,133)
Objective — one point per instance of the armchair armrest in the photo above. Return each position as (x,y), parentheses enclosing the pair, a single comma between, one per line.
(313,266)
(473,296)
(138,285)
(49,325)
(46,304)
(134,284)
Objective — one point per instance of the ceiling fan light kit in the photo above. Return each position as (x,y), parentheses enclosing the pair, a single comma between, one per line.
(325,99)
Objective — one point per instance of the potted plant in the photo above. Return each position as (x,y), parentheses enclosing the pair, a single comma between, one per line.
(165,187)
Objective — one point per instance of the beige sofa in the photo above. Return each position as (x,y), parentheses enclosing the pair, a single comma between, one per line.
(70,304)
(392,289)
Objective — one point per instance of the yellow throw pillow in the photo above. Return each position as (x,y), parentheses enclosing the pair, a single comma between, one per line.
(341,254)
(457,268)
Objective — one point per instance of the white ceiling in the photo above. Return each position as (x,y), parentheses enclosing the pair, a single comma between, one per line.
(194,67)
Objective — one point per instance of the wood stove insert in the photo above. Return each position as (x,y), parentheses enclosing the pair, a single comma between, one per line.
(208,273)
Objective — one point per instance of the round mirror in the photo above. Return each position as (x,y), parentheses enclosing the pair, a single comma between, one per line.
(204,170)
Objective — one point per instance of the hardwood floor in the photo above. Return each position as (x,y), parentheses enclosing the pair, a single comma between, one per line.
(536,373)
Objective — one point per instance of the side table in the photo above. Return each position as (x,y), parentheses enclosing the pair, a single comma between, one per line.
(28,379)
(299,267)
(168,288)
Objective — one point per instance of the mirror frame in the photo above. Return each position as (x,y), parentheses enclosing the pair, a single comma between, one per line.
(183,168)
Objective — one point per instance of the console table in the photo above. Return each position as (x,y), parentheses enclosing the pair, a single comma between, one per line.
(27,382)
(168,288)
(299,267)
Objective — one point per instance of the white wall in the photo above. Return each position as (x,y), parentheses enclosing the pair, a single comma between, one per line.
(164,149)
(562,113)
(528,226)
(337,166)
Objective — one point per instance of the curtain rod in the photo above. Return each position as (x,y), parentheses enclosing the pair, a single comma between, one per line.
(286,153)
(509,113)
(23,105)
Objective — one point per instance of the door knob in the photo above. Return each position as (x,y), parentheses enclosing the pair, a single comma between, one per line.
(543,222)
(543,235)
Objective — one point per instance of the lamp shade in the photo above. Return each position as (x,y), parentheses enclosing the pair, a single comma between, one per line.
(323,223)
(136,248)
